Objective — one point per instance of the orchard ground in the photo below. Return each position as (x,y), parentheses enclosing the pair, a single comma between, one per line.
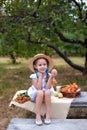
(16,77)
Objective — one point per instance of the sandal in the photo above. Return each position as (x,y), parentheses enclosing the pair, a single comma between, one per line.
(47,121)
(39,122)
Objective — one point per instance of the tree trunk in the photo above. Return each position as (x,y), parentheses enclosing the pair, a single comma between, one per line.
(13,57)
(85,69)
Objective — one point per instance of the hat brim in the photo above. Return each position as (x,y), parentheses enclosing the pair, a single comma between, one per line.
(49,59)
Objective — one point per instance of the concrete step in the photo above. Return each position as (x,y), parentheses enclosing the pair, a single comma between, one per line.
(57,124)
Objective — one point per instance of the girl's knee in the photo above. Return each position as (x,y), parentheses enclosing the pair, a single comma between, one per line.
(47,92)
(40,93)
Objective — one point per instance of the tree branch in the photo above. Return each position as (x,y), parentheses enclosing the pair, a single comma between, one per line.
(77,4)
(80,68)
(79,8)
(82,16)
(63,38)
(39,3)
(34,14)
(85,18)
(74,41)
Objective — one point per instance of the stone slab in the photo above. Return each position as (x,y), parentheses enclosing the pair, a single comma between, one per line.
(58,124)
(80,101)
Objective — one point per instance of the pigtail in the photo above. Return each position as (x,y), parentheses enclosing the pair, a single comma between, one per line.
(47,72)
(36,71)
(47,75)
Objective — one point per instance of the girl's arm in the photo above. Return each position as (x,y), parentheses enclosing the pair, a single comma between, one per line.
(53,74)
(37,83)
(49,82)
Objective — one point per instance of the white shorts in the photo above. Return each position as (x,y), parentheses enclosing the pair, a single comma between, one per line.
(32,92)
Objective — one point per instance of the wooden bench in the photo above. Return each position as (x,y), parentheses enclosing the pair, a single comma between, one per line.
(58,124)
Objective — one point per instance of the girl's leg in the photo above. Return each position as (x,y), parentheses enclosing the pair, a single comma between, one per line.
(48,103)
(39,100)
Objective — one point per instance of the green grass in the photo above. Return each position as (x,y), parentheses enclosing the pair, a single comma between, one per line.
(12,80)
(77,60)
(16,77)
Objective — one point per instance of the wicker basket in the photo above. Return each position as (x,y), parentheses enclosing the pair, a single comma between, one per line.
(71,95)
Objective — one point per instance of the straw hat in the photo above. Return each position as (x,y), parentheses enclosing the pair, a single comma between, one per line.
(50,61)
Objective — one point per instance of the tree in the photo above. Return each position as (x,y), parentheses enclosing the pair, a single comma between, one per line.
(77,19)
(44,22)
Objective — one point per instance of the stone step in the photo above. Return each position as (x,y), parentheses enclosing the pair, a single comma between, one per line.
(56,124)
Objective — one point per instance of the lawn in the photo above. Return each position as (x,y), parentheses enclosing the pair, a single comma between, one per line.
(16,77)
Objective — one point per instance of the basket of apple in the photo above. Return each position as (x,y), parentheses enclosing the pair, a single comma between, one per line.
(71,90)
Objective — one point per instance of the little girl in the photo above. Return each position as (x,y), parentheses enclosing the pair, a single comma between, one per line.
(41,89)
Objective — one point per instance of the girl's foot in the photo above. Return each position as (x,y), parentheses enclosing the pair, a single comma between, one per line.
(47,121)
(39,122)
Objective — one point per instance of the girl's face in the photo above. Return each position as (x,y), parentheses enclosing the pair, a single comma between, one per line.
(41,65)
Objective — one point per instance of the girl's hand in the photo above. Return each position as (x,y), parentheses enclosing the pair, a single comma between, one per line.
(54,72)
(51,77)
(39,74)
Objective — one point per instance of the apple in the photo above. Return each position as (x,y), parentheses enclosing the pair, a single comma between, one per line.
(54,72)
(56,94)
(60,95)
